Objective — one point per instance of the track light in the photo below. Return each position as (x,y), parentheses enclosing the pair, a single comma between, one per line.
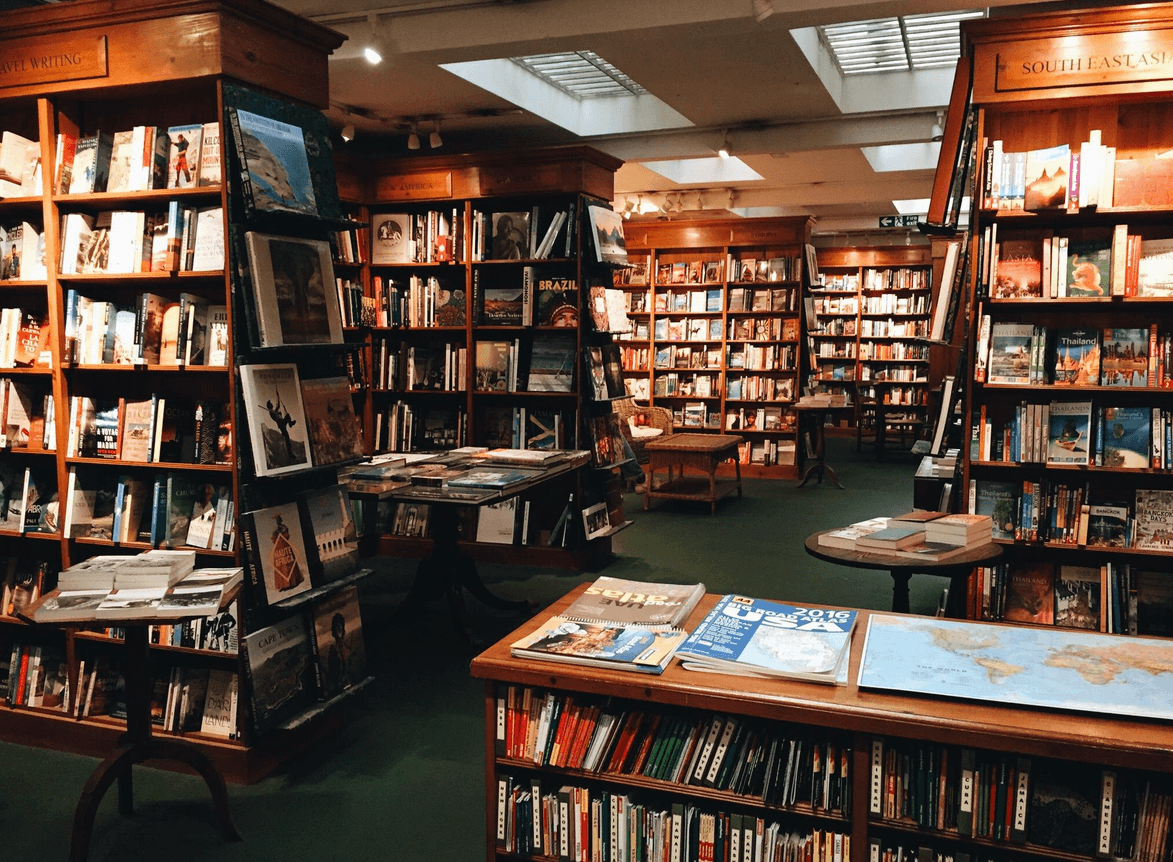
(348,132)
(762,9)
(413,138)
(938,131)
(627,207)
(700,200)
(434,139)
(732,200)
(726,148)
(375,48)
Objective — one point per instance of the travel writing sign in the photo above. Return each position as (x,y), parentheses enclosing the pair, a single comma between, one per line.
(1110,58)
(28,62)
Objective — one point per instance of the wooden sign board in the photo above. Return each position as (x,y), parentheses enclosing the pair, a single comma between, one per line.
(420,186)
(26,62)
(507,179)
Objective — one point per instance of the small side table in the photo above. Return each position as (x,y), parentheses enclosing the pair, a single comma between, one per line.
(699,451)
(813,418)
(957,569)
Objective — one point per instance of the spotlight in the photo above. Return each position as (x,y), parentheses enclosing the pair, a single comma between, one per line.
(938,131)
(374,50)
(627,207)
(413,138)
(434,139)
(348,132)
(726,148)
(732,201)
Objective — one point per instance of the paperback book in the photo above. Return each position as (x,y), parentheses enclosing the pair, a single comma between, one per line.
(627,602)
(1030,593)
(1089,267)
(755,637)
(1124,436)
(999,500)
(1075,357)
(1077,597)
(1069,432)
(276,171)
(1125,357)
(1010,353)
(602,645)
(1153,526)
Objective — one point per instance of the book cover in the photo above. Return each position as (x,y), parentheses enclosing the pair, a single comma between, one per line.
(276,418)
(1153,526)
(1046,178)
(220,704)
(620,600)
(492,365)
(619,647)
(331,537)
(1030,592)
(1077,597)
(279,552)
(1075,357)
(1107,526)
(1124,357)
(1019,269)
(293,290)
(183,155)
(1069,432)
(894,535)
(1154,603)
(210,164)
(1125,436)
(551,363)
(556,300)
(1064,806)
(277,664)
(1089,267)
(606,230)
(273,156)
(758,637)
(339,650)
(389,238)
(334,430)
(510,240)
(1010,353)
(1155,268)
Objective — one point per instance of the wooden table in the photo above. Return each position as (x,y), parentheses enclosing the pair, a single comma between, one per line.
(957,569)
(701,452)
(813,417)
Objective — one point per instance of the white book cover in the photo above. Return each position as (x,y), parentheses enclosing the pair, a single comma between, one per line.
(1155,268)
(209,240)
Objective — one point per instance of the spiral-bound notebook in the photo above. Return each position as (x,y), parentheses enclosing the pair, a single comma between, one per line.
(637,603)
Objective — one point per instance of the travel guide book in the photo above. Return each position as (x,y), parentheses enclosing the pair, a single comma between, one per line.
(756,637)
(618,600)
(603,645)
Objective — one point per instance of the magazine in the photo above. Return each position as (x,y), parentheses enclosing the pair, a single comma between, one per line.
(617,600)
(755,637)
(603,645)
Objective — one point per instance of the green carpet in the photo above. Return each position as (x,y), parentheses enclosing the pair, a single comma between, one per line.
(403,781)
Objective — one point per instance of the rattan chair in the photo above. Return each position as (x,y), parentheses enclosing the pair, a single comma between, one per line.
(654,417)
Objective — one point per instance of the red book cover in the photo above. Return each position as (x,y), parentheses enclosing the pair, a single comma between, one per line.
(586,727)
(566,730)
(623,743)
(648,734)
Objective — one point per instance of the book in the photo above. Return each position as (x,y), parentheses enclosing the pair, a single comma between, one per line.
(1154,275)
(1075,357)
(275,171)
(1030,592)
(211,155)
(1077,597)
(331,536)
(1107,526)
(334,431)
(511,236)
(183,155)
(389,238)
(1125,436)
(338,650)
(220,704)
(493,477)
(606,232)
(1089,267)
(554,298)
(276,418)
(1154,603)
(1010,353)
(276,551)
(1019,269)
(846,537)
(998,499)
(551,362)
(277,664)
(293,290)
(1153,520)
(756,637)
(601,645)
(1046,178)
(1069,438)
(620,600)
(1124,357)
(894,535)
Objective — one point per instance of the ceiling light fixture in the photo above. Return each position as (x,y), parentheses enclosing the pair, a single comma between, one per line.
(413,138)
(726,148)
(732,201)
(938,130)
(434,139)
(700,200)
(374,50)
(348,132)
(762,9)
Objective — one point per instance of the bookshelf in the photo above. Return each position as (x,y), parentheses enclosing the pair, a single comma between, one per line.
(872,312)
(872,737)
(457,317)
(112,87)
(1080,519)
(717,329)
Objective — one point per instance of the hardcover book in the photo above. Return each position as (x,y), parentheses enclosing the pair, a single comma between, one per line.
(1075,357)
(277,663)
(510,240)
(1069,432)
(551,364)
(1010,353)
(293,290)
(275,545)
(276,419)
(1019,269)
(1124,357)
(276,172)
(334,431)
(1046,178)
(1155,268)
(1089,267)
(1125,434)
(1030,592)
(331,537)
(339,652)
(389,238)
(183,155)
(1077,597)
(602,645)
(618,600)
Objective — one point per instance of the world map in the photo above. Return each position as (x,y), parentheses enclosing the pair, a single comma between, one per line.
(1056,668)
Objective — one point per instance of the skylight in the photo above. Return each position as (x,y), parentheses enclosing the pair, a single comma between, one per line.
(582,74)
(897,44)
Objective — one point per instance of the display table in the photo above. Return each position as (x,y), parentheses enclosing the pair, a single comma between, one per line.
(957,569)
(705,452)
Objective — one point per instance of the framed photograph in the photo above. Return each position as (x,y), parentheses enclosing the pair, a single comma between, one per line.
(276,418)
(607,228)
(294,294)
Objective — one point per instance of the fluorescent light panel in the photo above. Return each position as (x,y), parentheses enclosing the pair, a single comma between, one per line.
(896,44)
(582,74)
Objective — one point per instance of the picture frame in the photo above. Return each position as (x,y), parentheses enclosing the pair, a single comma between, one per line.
(276,419)
(294,294)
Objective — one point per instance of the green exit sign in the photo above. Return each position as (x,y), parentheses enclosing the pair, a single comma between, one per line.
(899,220)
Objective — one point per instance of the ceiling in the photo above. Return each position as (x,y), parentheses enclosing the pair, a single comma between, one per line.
(713,65)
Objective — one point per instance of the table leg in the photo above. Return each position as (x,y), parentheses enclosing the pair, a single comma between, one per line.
(712,489)
(900,579)
(737,470)
(651,483)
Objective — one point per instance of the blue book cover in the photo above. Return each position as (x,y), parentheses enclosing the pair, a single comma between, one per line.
(1126,436)
(997,499)
(756,637)
(1069,432)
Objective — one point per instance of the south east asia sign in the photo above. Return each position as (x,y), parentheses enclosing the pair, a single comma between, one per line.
(1084,61)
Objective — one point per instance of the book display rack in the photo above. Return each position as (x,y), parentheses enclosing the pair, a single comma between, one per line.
(586,761)
(1068,400)
(717,326)
(133,333)
(872,318)
(476,278)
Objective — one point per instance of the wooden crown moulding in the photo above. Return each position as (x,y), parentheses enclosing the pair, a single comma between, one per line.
(1124,52)
(72,47)
(699,233)
(486,175)
(900,255)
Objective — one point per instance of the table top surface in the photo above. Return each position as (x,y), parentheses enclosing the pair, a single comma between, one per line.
(693,442)
(979,555)
(822,408)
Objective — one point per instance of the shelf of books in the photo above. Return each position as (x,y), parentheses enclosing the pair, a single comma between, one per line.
(716,329)
(122,234)
(478,328)
(1069,406)
(882,762)
(872,310)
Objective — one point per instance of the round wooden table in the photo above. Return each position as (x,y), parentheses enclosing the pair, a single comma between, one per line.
(957,569)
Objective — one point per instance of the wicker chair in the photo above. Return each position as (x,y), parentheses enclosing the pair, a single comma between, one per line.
(653,417)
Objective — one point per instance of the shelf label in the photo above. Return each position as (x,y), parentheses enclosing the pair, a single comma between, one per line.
(424,185)
(28,61)
(502,180)
(1084,61)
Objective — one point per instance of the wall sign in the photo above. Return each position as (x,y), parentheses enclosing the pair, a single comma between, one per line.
(27,62)
(414,187)
(1084,61)
(899,220)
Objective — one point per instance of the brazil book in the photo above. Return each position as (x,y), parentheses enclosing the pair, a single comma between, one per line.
(756,637)
(602,645)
